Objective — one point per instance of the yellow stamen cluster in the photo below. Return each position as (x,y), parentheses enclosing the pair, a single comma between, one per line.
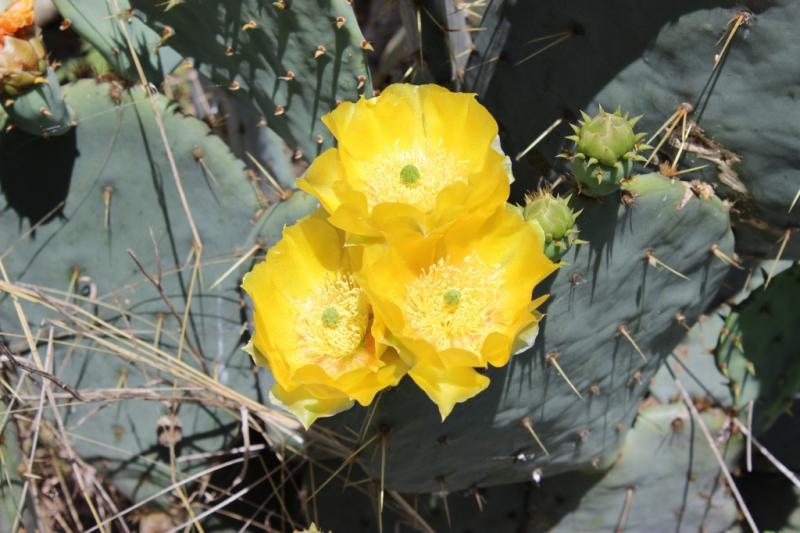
(453,304)
(414,176)
(331,322)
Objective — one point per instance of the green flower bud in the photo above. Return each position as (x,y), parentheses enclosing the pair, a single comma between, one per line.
(596,179)
(605,148)
(515,209)
(552,219)
(606,137)
(552,213)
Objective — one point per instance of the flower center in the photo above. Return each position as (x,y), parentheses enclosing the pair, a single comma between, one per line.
(440,168)
(452,297)
(454,304)
(330,317)
(409,174)
(331,323)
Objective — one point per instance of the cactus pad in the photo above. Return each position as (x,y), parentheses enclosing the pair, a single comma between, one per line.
(292,60)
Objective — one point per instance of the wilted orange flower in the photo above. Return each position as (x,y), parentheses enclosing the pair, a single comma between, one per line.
(16,18)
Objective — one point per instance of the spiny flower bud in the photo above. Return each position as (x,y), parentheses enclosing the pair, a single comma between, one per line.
(607,137)
(551,212)
(553,219)
(605,148)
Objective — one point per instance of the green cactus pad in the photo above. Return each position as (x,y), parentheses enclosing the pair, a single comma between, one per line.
(757,349)
(696,366)
(107,188)
(665,460)
(293,63)
(584,330)
(12,466)
(666,472)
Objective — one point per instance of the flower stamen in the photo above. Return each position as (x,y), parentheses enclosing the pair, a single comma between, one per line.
(332,322)
(452,303)
(440,168)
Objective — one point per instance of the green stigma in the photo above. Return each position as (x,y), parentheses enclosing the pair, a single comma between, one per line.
(410,174)
(452,297)
(330,317)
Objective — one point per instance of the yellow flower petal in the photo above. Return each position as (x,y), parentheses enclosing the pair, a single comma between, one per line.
(361,127)
(458,120)
(448,387)
(306,407)
(319,178)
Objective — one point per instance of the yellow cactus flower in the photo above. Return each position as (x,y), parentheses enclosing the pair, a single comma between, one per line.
(415,154)
(312,325)
(457,302)
(16,18)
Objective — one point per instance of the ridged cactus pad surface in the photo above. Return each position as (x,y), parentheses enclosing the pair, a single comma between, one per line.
(291,60)
(666,474)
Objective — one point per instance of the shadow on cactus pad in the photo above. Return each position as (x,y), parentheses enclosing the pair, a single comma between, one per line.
(36,187)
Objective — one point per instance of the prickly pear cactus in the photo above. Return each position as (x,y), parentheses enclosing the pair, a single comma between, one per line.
(119,206)
(29,91)
(12,468)
(40,109)
(107,194)
(672,56)
(608,352)
(696,366)
(292,60)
